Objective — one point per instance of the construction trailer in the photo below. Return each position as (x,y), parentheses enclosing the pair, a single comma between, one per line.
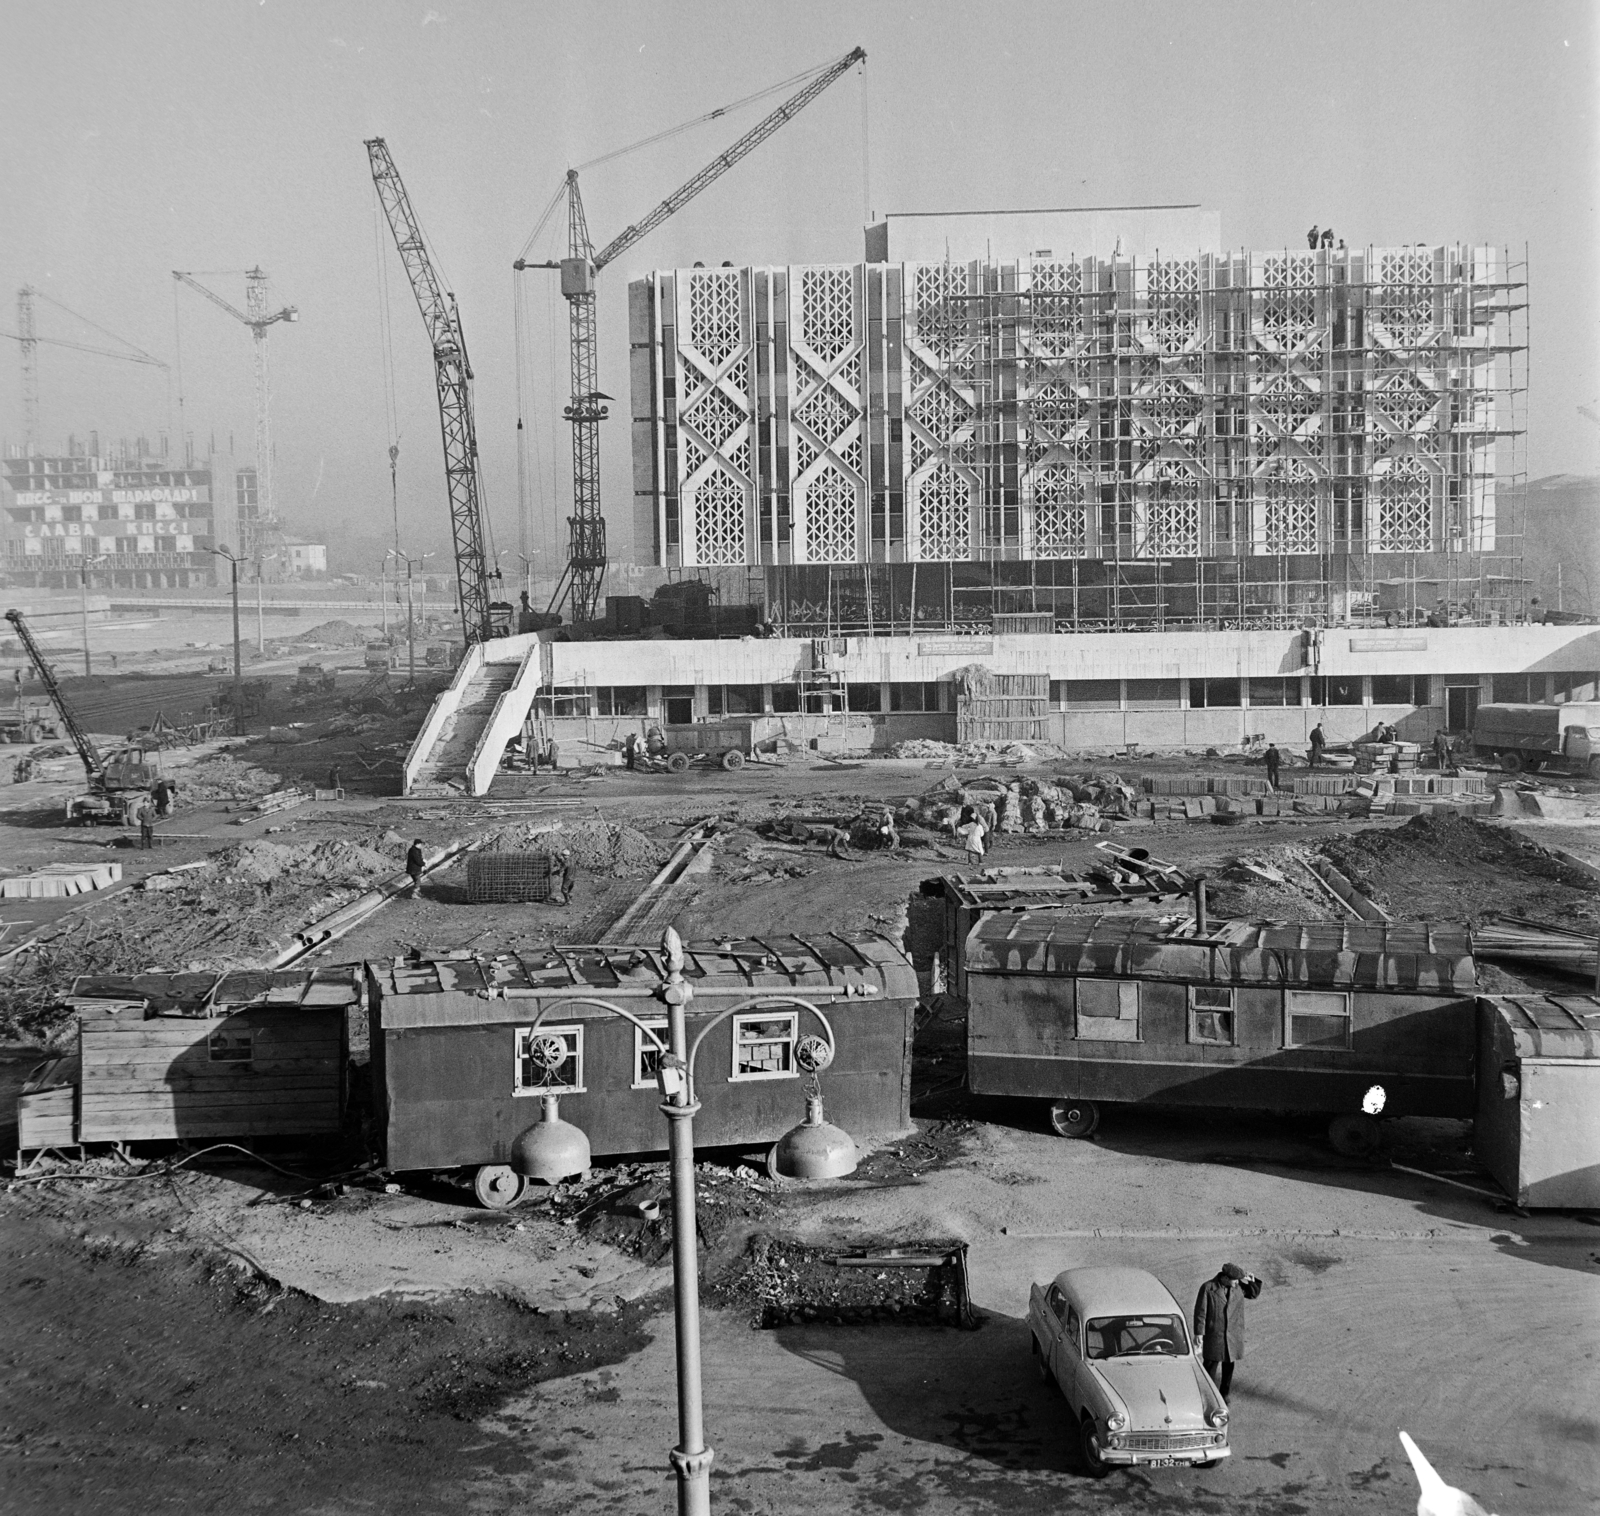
(248,1053)
(455,1078)
(1538,1094)
(1247,1015)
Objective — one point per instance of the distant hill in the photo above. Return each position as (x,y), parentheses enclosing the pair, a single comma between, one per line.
(1563,528)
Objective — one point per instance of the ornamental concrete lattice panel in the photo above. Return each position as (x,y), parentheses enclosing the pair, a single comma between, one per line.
(1123,410)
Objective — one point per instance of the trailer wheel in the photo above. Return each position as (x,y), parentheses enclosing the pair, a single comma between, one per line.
(496,1187)
(677,762)
(1074,1118)
(1354,1134)
(732,759)
(1511,761)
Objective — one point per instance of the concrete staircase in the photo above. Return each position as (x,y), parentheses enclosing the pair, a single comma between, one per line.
(444,769)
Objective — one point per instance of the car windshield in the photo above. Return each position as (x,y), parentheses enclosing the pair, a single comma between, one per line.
(1134,1336)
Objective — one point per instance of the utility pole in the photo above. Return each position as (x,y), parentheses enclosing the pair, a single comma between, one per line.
(383,594)
(238,675)
(83,568)
(411,615)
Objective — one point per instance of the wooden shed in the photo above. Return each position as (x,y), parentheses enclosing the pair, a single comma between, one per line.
(1253,1015)
(455,1084)
(1538,1117)
(249,1053)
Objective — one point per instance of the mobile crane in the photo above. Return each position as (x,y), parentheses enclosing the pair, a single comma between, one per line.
(116,782)
(586,552)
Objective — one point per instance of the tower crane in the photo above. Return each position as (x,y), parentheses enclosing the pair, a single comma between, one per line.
(27,335)
(586,552)
(453,375)
(256,316)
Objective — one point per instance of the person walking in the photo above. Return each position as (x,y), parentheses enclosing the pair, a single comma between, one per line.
(414,865)
(1219,1322)
(1274,762)
(1318,743)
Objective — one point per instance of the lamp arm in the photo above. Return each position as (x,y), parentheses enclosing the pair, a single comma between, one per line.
(605,1005)
(743,1005)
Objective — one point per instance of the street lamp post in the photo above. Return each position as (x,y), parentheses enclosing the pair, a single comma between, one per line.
(552,1150)
(84,565)
(238,675)
(261,629)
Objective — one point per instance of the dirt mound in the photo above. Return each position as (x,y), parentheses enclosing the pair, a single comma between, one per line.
(1444,867)
(223,777)
(262,862)
(599,847)
(339,633)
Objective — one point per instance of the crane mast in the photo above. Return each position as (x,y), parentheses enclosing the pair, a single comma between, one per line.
(584,574)
(453,376)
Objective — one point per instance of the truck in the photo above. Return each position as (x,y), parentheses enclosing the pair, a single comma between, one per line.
(1529,736)
(116,781)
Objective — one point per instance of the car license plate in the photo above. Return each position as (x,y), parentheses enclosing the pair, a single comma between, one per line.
(1161,1463)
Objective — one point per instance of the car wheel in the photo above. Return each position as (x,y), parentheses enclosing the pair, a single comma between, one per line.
(1512,762)
(1354,1134)
(1074,1118)
(1089,1446)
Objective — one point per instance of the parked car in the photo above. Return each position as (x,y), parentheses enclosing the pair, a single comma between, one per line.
(1117,1346)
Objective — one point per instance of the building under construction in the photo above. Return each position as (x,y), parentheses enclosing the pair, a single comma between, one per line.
(1123,439)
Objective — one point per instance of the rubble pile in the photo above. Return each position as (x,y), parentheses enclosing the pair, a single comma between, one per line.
(1086,802)
(221,776)
(598,847)
(968,755)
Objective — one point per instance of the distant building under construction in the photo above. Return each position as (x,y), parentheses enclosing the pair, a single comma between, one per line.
(1122,439)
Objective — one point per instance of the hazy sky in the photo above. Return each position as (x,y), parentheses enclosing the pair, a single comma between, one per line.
(135,139)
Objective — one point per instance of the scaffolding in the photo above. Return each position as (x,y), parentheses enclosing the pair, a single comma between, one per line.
(1262,439)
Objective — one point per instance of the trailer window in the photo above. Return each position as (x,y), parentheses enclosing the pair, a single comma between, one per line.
(763,1046)
(1316,1019)
(548,1060)
(1211,1014)
(1108,1010)
(646,1056)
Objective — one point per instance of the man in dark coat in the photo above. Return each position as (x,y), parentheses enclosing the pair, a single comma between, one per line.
(1318,742)
(1274,762)
(414,863)
(1219,1322)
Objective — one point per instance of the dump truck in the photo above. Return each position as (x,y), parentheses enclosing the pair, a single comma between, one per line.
(1531,736)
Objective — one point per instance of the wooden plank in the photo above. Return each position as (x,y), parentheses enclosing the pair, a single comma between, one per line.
(187,1033)
(186,1126)
(103,1052)
(203,1106)
(156,1068)
(229,1088)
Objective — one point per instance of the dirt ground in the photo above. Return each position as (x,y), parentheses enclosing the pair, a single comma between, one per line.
(223,1336)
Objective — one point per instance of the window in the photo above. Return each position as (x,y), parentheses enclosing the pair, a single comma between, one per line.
(572,702)
(547,1061)
(1519,688)
(1211,1015)
(1331,690)
(786,699)
(1316,1019)
(620,700)
(1135,1336)
(646,1055)
(864,697)
(1153,694)
(733,699)
(1399,689)
(914,697)
(1086,694)
(1056,1301)
(231,1044)
(1213,694)
(1074,1329)
(1577,687)
(1274,692)
(763,1046)
(1108,1010)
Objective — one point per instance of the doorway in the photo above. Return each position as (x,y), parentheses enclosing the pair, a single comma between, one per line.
(678,702)
(1460,706)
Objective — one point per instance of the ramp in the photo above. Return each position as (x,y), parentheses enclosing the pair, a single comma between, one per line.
(452,735)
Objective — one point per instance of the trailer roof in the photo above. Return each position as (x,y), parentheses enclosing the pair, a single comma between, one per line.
(1416,956)
(1551,1026)
(468,988)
